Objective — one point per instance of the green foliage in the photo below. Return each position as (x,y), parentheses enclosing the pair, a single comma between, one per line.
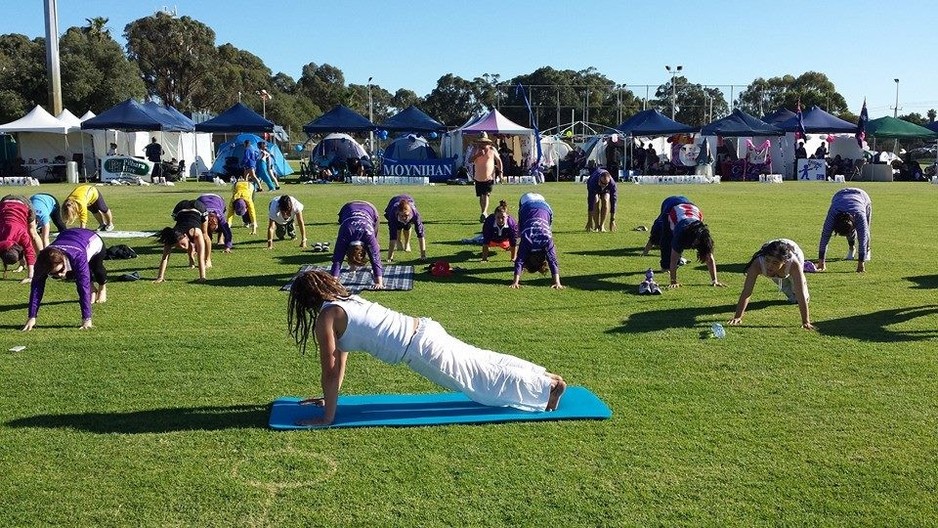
(764,96)
(156,417)
(23,81)
(96,74)
(692,102)
(324,85)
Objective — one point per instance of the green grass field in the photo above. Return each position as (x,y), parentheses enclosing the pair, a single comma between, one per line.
(157,416)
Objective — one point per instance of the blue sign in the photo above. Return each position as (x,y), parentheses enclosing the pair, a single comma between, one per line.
(438,170)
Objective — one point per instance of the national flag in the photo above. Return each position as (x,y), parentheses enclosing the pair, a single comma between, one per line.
(861,124)
(801,131)
(537,134)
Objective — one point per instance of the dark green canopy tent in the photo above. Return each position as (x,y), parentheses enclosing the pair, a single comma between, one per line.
(892,128)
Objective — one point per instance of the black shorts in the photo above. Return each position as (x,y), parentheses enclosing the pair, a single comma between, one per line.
(483,188)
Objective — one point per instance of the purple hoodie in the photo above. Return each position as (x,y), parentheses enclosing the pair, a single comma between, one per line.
(536,235)
(394,225)
(358,222)
(79,245)
(215,204)
(492,233)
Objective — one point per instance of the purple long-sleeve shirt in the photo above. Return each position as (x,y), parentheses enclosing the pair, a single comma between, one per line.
(491,232)
(358,222)
(858,205)
(216,204)
(593,190)
(536,235)
(395,225)
(79,245)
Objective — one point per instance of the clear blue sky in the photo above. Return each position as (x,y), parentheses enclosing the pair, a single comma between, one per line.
(861,45)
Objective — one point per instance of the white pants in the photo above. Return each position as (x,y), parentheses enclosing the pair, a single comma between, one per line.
(486,377)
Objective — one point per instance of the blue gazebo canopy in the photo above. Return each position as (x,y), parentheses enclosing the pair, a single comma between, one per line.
(339,119)
(779,116)
(412,119)
(817,121)
(238,118)
(740,124)
(653,123)
(132,116)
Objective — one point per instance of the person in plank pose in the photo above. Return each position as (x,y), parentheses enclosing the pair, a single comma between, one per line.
(782,261)
(680,226)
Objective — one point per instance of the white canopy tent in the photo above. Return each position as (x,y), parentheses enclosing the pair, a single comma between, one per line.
(457,142)
(40,135)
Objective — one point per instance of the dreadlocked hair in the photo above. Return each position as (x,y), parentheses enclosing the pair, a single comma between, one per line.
(776,249)
(843,224)
(307,294)
(536,262)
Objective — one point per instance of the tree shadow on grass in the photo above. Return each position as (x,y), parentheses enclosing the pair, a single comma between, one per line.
(655,320)
(924,282)
(271,280)
(611,252)
(873,326)
(24,306)
(154,420)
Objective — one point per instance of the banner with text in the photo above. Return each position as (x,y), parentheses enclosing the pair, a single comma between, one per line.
(438,170)
(118,167)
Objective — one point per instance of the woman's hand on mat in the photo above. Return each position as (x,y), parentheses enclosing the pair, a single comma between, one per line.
(318,401)
(378,285)
(30,323)
(736,321)
(86,324)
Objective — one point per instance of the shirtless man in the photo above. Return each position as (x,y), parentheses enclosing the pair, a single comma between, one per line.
(486,161)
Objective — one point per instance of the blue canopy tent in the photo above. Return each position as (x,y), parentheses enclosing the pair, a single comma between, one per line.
(818,121)
(933,126)
(170,114)
(412,119)
(339,119)
(236,119)
(740,124)
(653,123)
(779,116)
(230,152)
(133,116)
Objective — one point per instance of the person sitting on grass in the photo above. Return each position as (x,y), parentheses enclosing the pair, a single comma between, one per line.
(849,215)
(284,212)
(80,251)
(601,197)
(680,226)
(85,199)
(401,213)
(782,261)
(217,221)
(357,240)
(242,204)
(19,240)
(47,212)
(340,323)
(189,234)
(536,252)
(500,230)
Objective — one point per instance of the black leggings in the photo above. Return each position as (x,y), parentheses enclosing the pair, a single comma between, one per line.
(96,265)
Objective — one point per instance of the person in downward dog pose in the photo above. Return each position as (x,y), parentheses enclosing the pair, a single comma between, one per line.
(680,226)
(536,252)
(217,222)
(500,230)
(190,234)
(242,204)
(284,213)
(849,215)
(342,323)
(19,239)
(357,240)
(80,251)
(601,198)
(47,212)
(85,199)
(401,214)
(782,261)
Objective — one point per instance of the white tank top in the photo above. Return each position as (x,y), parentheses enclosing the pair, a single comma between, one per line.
(372,328)
(797,259)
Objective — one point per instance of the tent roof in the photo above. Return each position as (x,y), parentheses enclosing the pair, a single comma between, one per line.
(238,118)
(68,118)
(817,121)
(88,115)
(171,115)
(779,116)
(932,126)
(412,119)
(653,123)
(131,115)
(37,120)
(892,128)
(495,123)
(339,119)
(740,124)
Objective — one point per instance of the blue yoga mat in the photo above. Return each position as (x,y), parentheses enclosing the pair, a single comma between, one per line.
(405,410)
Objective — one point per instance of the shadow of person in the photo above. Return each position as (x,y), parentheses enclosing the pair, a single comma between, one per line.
(924,282)
(689,317)
(611,252)
(153,420)
(874,326)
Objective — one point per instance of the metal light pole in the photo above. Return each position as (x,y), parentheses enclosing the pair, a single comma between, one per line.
(52,56)
(618,103)
(371,133)
(895,110)
(673,73)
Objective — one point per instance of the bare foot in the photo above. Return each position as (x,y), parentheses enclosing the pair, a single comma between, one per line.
(208,264)
(102,297)
(556,391)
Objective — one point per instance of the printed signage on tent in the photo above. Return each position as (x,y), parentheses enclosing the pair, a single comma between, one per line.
(812,170)
(438,170)
(117,167)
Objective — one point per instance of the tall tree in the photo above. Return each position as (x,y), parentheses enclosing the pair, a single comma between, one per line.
(235,73)
(763,96)
(22,75)
(175,56)
(95,72)
(453,100)
(324,85)
(695,104)
(932,115)
(403,98)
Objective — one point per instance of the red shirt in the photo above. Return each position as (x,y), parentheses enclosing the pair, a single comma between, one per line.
(14,228)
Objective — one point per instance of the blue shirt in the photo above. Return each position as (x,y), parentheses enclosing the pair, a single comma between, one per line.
(43,205)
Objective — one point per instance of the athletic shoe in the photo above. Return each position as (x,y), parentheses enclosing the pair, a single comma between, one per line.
(654,289)
(482,219)
(869,255)
(643,288)
(850,254)
(682,261)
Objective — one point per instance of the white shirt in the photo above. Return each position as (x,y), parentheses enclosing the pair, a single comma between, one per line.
(372,328)
(274,213)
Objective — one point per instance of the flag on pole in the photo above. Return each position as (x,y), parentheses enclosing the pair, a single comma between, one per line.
(801,131)
(519,90)
(861,124)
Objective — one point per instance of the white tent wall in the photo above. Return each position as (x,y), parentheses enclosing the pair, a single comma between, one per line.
(193,147)
(39,145)
(783,149)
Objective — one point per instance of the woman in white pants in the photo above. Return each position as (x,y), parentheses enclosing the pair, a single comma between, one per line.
(782,261)
(342,322)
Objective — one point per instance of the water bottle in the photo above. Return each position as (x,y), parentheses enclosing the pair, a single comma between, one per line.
(718,331)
